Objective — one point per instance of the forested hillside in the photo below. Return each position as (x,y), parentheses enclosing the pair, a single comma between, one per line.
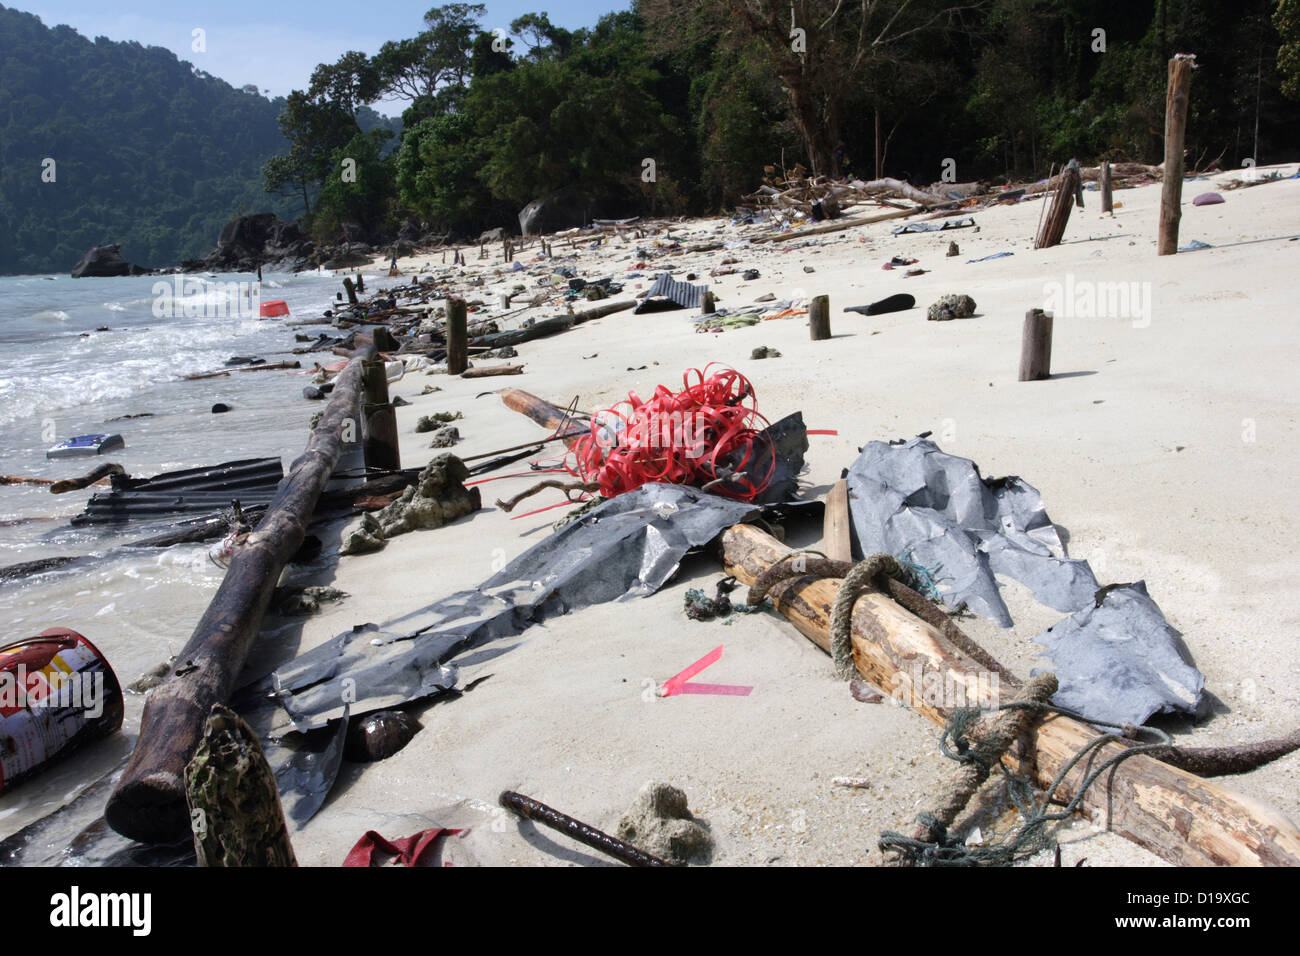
(146,150)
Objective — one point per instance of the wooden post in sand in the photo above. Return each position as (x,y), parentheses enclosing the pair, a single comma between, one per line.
(457,342)
(378,419)
(1036,346)
(1059,215)
(1171,197)
(1182,818)
(383,339)
(707,303)
(351,290)
(819,318)
(1107,205)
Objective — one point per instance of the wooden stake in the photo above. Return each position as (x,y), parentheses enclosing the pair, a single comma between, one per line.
(1180,817)
(351,290)
(457,356)
(1106,200)
(1036,346)
(383,339)
(149,802)
(819,318)
(709,305)
(378,420)
(1171,197)
(234,804)
(1054,225)
(837,535)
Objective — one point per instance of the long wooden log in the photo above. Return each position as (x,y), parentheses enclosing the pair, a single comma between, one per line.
(1062,203)
(487,371)
(259,367)
(149,802)
(1182,818)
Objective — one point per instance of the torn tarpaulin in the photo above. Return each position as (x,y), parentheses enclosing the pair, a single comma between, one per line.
(1119,661)
(667,294)
(944,226)
(625,548)
(934,509)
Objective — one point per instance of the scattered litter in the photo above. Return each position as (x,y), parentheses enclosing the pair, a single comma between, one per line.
(1207,199)
(1194,245)
(763,352)
(996,255)
(666,294)
(407,851)
(855,783)
(943,226)
(750,274)
(85,446)
(936,510)
(863,692)
(953,250)
(682,684)
(1119,661)
(894,303)
(899,262)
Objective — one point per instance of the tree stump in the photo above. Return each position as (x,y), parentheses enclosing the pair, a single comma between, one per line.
(1036,346)
(819,318)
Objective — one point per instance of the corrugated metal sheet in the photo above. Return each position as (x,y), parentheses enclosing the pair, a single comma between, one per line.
(191,491)
(675,295)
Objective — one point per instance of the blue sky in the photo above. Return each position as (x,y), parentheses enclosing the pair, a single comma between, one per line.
(277,43)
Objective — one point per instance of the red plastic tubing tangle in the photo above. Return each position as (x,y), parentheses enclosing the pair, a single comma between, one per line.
(709,430)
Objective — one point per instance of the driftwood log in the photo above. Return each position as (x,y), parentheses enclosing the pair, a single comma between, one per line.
(487,371)
(259,367)
(1058,216)
(1180,817)
(94,476)
(149,802)
(1171,195)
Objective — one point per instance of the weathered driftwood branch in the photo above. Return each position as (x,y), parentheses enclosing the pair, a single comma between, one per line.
(94,476)
(1183,818)
(260,367)
(487,371)
(1058,216)
(149,802)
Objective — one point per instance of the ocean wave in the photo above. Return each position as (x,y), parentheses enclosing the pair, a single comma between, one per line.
(52,315)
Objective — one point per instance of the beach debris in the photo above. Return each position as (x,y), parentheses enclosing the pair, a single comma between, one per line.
(944,226)
(996,255)
(57,694)
(438,498)
(379,735)
(220,408)
(681,683)
(233,799)
(152,677)
(95,476)
(667,294)
(853,783)
(260,367)
(660,822)
(406,851)
(86,446)
(763,352)
(750,275)
(1069,191)
(704,435)
(626,547)
(534,810)
(894,303)
(191,491)
(445,437)
(935,509)
(1136,794)
(1119,661)
(899,262)
(951,307)
(863,692)
(289,601)
(428,423)
(1207,199)
(488,371)
(1194,245)
(953,249)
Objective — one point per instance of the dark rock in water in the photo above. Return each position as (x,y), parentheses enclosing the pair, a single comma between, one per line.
(220,408)
(105,262)
(379,735)
(103,328)
(243,360)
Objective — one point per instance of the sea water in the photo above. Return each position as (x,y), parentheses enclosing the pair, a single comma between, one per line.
(61,377)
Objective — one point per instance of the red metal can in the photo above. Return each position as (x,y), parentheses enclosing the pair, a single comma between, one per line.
(57,693)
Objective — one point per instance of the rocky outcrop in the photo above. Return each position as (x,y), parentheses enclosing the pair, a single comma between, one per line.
(258,240)
(104,262)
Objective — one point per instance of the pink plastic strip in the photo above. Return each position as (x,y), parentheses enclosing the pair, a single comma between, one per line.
(673,684)
(729,690)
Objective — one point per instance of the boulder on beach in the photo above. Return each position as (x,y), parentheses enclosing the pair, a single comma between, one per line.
(562,209)
(105,262)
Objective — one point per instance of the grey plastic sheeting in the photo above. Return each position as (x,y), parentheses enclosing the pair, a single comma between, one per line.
(1118,662)
(626,548)
(915,501)
(1122,661)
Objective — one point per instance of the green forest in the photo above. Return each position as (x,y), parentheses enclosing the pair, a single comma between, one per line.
(670,107)
(147,151)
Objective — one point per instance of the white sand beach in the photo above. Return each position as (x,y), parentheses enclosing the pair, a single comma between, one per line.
(1164,444)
